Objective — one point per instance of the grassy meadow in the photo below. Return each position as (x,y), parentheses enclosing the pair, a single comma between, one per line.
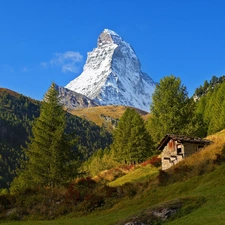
(200,190)
(102,115)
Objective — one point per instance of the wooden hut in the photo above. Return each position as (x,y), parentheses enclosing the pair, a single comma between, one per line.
(177,147)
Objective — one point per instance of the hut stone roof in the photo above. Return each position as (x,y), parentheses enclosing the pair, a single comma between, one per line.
(181,139)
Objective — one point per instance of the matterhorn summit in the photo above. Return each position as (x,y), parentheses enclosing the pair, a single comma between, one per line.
(112,75)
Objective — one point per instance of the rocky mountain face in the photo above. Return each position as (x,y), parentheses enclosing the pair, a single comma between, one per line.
(112,75)
(73,100)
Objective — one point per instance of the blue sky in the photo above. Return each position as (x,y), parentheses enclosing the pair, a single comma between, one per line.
(47,40)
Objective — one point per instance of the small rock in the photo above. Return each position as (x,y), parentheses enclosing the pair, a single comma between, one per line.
(134,223)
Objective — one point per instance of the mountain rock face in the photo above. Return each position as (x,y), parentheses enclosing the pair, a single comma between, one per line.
(112,75)
(73,100)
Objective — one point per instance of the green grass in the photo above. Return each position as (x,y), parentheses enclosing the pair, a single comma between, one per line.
(139,174)
(204,197)
(94,114)
(211,187)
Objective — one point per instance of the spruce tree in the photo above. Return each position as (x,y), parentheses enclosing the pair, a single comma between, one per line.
(169,108)
(131,141)
(217,119)
(48,154)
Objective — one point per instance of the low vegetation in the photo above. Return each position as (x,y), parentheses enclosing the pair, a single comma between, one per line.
(106,116)
(137,195)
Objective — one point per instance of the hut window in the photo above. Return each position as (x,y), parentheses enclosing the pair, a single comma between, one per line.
(179,149)
(166,158)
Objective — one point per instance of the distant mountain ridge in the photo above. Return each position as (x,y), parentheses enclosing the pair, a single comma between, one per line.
(112,75)
(73,100)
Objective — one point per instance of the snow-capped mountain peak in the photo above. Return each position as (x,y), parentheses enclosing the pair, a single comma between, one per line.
(112,75)
(108,37)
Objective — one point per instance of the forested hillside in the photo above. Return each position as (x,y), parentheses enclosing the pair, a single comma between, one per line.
(208,86)
(211,107)
(17,114)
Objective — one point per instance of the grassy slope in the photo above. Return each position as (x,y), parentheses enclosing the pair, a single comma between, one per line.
(139,174)
(94,114)
(210,187)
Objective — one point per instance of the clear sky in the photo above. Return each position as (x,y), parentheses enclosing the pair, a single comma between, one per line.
(47,40)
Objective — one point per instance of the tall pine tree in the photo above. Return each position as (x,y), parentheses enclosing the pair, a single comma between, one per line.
(48,154)
(131,141)
(169,108)
(217,119)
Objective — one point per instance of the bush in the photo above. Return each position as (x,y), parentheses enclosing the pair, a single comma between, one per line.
(39,203)
(73,196)
(112,174)
(163,177)
(155,161)
(129,190)
(6,201)
(86,195)
(91,202)
(86,182)
(78,190)
(107,191)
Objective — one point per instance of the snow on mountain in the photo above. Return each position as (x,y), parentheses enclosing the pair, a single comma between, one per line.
(112,75)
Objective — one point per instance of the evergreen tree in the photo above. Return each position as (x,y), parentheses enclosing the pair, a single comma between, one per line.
(195,127)
(99,161)
(211,106)
(217,119)
(206,85)
(48,154)
(214,80)
(169,108)
(131,141)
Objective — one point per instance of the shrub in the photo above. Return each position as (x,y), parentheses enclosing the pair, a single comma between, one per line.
(86,182)
(129,190)
(182,171)
(163,177)
(111,174)
(107,191)
(6,201)
(155,161)
(92,201)
(72,195)
(78,190)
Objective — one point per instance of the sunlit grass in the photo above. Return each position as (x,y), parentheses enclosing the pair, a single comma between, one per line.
(97,114)
(139,174)
(209,186)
